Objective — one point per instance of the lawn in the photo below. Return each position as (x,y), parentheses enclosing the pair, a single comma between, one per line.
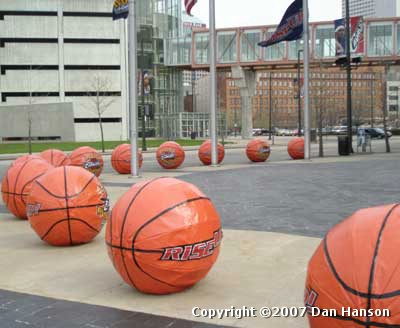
(15,148)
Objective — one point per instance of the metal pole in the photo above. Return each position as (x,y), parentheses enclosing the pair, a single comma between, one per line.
(144,148)
(307,144)
(133,87)
(348,69)
(213,85)
(372,100)
(299,92)
(385,95)
(270,106)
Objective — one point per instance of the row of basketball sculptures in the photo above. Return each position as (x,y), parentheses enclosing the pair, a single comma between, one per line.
(168,245)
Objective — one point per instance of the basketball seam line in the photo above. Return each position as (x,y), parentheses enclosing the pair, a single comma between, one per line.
(64,208)
(110,229)
(71,219)
(373,264)
(26,184)
(362,323)
(345,286)
(123,225)
(152,220)
(66,204)
(15,185)
(134,250)
(71,196)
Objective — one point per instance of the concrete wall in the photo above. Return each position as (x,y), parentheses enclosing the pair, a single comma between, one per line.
(61,78)
(48,120)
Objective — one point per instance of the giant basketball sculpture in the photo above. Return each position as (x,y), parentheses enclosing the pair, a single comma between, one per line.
(296,148)
(88,158)
(205,152)
(17,183)
(169,245)
(67,206)
(170,155)
(121,159)
(357,267)
(55,157)
(258,150)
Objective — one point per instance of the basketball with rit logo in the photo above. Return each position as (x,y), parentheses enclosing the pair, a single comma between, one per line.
(163,236)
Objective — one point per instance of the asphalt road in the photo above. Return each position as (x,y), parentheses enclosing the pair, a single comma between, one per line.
(233,156)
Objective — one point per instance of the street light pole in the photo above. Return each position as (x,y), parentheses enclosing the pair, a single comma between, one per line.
(349,87)
(299,91)
(270,106)
(144,147)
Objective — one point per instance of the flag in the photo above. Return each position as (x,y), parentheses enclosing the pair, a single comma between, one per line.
(357,43)
(290,27)
(120,9)
(189,5)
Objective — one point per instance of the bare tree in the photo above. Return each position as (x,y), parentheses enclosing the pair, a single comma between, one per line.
(100,100)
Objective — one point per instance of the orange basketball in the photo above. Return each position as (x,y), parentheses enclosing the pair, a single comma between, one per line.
(258,150)
(168,246)
(121,159)
(88,158)
(205,152)
(17,183)
(55,157)
(170,155)
(24,158)
(67,206)
(296,148)
(357,267)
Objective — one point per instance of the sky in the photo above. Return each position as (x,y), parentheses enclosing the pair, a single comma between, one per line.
(234,13)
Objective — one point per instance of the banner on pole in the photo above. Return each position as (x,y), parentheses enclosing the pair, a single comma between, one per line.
(120,9)
(357,41)
(291,26)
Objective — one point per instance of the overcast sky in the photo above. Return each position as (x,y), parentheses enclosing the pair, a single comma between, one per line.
(233,13)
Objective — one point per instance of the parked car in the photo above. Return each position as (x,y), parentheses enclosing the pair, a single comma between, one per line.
(376,133)
(339,129)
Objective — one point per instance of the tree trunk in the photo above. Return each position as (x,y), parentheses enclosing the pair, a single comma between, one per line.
(320,136)
(102,134)
(29,134)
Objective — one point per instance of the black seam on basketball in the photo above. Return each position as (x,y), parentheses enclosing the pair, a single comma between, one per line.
(135,250)
(64,208)
(26,184)
(64,220)
(373,264)
(84,188)
(152,220)
(110,229)
(347,287)
(15,185)
(66,205)
(363,323)
(8,187)
(70,196)
(123,225)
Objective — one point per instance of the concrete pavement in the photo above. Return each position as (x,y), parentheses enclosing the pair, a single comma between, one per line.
(273,216)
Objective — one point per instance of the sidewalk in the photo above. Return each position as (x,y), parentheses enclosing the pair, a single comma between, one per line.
(236,144)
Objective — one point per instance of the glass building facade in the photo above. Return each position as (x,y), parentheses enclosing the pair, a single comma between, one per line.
(159,20)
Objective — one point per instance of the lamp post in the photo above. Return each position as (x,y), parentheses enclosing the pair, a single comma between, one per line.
(270,106)
(144,147)
(299,92)
(348,69)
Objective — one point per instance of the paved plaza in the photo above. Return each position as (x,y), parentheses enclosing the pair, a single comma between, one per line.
(273,215)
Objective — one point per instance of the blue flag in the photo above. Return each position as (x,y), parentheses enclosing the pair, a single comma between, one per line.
(290,27)
(120,9)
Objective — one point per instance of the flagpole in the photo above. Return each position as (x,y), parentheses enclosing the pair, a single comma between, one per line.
(133,86)
(213,84)
(307,139)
